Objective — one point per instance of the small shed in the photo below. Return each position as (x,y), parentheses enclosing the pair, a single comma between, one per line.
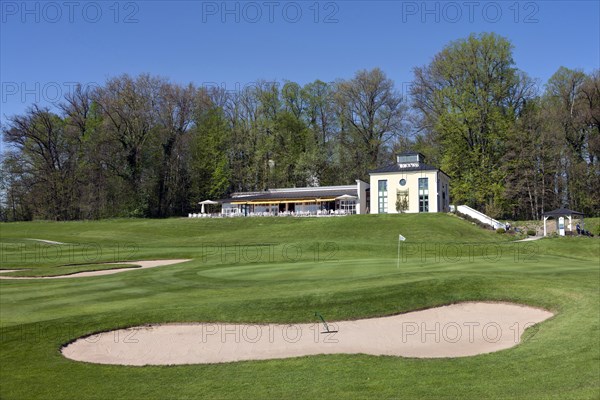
(559,214)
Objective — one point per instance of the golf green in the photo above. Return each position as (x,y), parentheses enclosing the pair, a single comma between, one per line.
(284,270)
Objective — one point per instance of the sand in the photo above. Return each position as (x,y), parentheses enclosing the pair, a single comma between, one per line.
(142,265)
(458,330)
(47,241)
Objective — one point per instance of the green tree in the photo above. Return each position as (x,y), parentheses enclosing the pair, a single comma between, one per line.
(209,167)
(469,97)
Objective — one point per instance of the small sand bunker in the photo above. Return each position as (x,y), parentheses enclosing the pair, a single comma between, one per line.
(457,330)
(142,264)
(47,241)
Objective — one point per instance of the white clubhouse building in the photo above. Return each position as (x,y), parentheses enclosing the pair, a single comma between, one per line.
(409,185)
(417,187)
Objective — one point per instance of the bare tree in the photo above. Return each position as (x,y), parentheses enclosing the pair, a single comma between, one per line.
(373,111)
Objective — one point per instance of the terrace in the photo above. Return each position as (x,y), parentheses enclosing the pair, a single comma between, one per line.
(323,201)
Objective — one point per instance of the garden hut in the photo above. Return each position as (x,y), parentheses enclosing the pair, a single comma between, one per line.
(560,214)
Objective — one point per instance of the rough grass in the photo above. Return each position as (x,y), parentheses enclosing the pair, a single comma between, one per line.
(283,270)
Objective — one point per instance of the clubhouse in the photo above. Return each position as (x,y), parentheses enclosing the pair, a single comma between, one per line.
(304,201)
(416,185)
(409,185)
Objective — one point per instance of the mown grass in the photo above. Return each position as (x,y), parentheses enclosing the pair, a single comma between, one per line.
(283,270)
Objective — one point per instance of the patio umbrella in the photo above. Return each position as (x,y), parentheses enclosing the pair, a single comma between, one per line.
(346,197)
(206,202)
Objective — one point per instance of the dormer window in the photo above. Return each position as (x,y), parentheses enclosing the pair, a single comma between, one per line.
(409,159)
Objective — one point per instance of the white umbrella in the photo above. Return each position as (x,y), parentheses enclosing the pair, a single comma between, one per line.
(346,197)
(206,202)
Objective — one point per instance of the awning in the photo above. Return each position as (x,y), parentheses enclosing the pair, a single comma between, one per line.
(346,197)
(208,202)
(264,202)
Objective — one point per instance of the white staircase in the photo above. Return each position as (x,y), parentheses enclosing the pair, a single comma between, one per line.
(471,212)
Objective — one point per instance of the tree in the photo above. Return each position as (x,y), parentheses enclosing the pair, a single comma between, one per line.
(175,107)
(371,114)
(209,168)
(468,97)
(572,107)
(44,161)
(129,110)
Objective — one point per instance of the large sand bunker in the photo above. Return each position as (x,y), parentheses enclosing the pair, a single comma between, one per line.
(457,330)
(142,265)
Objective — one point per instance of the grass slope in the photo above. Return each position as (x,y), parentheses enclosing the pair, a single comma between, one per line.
(283,270)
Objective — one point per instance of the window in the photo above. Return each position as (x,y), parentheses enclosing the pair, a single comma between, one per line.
(348,206)
(382,196)
(402,182)
(444,200)
(408,158)
(423,194)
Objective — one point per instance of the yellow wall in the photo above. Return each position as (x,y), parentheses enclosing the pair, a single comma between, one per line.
(412,185)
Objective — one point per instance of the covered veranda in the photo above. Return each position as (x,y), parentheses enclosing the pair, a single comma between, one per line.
(320,201)
(296,207)
(559,215)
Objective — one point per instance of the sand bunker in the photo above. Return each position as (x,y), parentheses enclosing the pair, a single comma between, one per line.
(142,264)
(457,330)
(47,241)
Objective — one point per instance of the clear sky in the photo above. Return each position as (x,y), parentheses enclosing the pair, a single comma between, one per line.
(46,46)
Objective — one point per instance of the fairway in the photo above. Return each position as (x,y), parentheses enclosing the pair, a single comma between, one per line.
(282,271)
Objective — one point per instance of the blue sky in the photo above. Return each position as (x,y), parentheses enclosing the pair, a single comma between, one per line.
(46,46)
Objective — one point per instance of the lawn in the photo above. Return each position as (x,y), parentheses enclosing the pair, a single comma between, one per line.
(283,270)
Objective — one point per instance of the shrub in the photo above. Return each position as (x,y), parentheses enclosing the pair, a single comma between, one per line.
(500,230)
(530,232)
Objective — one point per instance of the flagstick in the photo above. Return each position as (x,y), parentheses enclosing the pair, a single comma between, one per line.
(400,239)
(398,266)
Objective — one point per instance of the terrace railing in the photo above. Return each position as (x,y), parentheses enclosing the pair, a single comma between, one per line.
(473,213)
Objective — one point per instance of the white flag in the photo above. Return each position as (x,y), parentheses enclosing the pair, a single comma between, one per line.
(401,238)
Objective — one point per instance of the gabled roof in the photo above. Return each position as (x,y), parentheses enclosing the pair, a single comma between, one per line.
(561,212)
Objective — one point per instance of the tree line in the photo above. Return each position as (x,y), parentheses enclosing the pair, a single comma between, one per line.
(145,147)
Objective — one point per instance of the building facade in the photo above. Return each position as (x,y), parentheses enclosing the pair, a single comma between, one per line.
(409,186)
(320,200)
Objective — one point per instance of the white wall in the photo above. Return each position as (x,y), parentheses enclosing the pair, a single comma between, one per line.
(361,205)
(444,187)
(412,184)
